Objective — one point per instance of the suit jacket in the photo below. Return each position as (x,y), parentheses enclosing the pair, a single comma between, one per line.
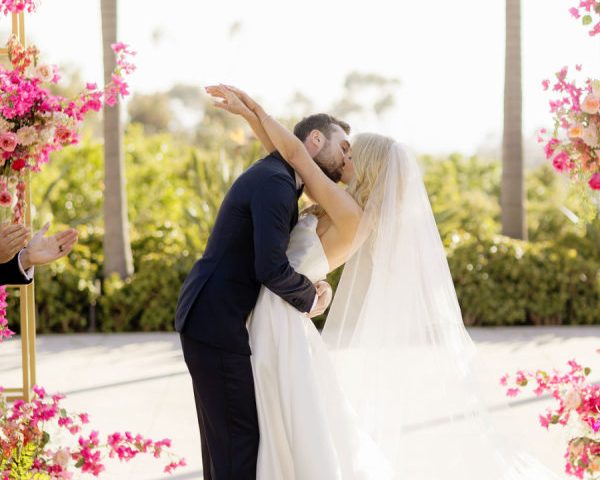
(246,249)
(10,273)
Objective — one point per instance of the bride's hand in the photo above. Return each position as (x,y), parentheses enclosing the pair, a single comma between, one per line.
(229,101)
(244,97)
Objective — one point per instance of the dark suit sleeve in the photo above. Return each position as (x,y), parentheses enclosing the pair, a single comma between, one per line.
(10,273)
(272,207)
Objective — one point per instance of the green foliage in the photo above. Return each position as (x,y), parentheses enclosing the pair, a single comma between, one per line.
(501,281)
(20,463)
(464,194)
(175,190)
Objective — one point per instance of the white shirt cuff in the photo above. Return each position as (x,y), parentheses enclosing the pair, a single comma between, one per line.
(314,303)
(27,274)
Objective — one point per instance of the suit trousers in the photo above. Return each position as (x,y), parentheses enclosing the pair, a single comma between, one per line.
(226,407)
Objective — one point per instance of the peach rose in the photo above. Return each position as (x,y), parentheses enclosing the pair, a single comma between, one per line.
(44,72)
(576,131)
(591,104)
(8,141)
(572,400)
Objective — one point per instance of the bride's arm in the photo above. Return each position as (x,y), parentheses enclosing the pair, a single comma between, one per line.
(249,116)
(339,205)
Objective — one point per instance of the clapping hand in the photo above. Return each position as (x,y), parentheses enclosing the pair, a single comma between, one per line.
(42,250)
(13,237)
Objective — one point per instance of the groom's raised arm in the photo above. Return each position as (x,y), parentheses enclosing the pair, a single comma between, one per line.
(272,207)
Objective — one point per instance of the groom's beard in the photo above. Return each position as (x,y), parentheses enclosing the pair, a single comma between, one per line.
(326,164)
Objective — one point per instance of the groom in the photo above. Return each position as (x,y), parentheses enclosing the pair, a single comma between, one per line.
(246,249)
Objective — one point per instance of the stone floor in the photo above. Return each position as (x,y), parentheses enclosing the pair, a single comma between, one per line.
(139,382)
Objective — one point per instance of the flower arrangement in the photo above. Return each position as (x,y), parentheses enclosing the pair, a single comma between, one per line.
(27,450)
(574,146)
(578,408)
(589,12)
(576,114)
(17,6)
(34,122)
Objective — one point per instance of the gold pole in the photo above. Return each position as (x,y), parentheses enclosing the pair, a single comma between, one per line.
(30,299)
(28,302)
(26,292)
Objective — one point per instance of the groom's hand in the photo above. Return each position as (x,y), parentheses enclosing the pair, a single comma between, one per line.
(324,296)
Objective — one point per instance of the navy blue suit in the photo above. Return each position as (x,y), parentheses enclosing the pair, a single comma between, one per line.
(246,249)
(10,273)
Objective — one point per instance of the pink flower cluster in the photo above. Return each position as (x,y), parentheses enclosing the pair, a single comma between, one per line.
(24,427)
(589,12)
(5,332)
(574,146)
(17,6)
(578,399)
(33,121)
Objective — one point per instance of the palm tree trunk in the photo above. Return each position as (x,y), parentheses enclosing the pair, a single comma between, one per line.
(512,198)
(117,248)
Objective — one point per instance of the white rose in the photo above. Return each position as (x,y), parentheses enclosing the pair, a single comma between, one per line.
(590,136)
(47,134)
(27,135)
(62,457)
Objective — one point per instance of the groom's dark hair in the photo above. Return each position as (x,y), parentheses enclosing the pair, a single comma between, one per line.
(320,121)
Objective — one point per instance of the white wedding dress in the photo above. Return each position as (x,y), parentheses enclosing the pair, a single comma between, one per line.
(394,359)
(307,429)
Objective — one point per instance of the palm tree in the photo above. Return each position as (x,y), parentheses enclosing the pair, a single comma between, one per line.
(512,190)
(117,248)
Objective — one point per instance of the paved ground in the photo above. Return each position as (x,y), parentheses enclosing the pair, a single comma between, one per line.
(139,382)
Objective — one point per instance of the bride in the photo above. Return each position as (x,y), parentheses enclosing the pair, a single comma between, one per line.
(390,389)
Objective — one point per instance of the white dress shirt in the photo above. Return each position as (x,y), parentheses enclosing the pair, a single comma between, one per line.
(28,274)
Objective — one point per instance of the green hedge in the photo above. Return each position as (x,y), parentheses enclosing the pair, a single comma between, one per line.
(501,281)
(174,193)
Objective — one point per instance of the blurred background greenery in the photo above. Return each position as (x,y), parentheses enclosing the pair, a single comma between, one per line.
(176,180)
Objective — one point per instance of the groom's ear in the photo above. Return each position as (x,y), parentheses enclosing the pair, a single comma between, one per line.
(315,141)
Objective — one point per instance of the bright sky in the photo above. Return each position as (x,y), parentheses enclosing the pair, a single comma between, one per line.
(449,55)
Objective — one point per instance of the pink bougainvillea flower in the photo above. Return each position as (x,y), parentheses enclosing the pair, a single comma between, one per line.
(594,184)
(5,198)
(550,147)
(561,161)
(512,392)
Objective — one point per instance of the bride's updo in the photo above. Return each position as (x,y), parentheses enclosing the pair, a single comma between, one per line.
(370,152)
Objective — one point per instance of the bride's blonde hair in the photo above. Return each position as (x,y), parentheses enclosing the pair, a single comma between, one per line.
(370,151)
